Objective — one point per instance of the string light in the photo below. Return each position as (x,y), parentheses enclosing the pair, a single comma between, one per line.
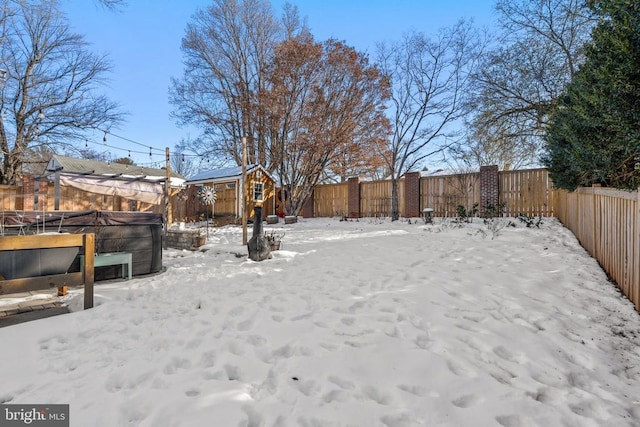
(152,151)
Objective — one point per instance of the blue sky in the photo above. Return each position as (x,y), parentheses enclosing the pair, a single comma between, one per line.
(143,43)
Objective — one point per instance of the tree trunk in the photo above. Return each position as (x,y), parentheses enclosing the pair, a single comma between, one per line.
(395,211)
(12,169)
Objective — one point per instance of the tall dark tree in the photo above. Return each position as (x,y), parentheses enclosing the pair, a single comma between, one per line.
(50,87)
(594,136)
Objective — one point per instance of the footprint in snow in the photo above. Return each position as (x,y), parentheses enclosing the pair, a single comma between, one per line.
(465,401)
(424,341)
(460,369)
(175,364)
(308,387)
(413,389)
(208,359)
(342,383)
(377,395)
(233,372)
(236,311)
(509,420)
(247,324)
(506,354)
(349,321)
(192,393)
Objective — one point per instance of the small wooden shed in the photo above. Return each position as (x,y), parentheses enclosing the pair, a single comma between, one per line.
(228,185)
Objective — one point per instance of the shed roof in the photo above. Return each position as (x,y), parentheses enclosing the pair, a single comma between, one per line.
(234,172)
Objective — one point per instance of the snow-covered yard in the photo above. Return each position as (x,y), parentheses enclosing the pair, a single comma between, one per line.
(353,323)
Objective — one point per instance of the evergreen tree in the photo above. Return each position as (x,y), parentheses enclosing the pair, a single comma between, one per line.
(594,135)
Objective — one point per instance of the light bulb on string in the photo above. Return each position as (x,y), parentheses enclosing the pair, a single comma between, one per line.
(150,152)
(104,138)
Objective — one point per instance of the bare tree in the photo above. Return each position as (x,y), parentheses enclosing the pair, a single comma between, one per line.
(429,78)
(517,86)
(227,48)
(486,145)
(113,4)
(325,104)
(181,162)
(301,105)
(50,94)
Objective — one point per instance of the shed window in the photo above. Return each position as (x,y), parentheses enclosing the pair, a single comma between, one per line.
(231,185)
(258,191)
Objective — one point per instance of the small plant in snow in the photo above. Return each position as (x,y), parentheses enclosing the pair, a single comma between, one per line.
(464,215)
(378,219)
(530,221)
(493,220)
(274,239)
(493,211)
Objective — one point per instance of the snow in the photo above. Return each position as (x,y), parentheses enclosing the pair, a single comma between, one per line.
(352,323)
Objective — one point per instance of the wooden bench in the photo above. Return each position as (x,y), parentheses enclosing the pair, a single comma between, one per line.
(113,258)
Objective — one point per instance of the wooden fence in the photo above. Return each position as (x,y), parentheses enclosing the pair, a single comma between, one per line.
(607,224)
(445,193)
(528,192)
(375,198)
(10,198)
(331,200)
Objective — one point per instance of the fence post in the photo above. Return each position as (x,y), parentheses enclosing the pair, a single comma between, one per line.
(412,194)
(354,197)
(596,222)
(88,273)
(489,187)
(636,258)
(29,191)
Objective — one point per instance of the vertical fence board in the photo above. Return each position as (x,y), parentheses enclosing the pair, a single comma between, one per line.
(445,193)
(331,200)
(527,192)
(607,224)
(375,198)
